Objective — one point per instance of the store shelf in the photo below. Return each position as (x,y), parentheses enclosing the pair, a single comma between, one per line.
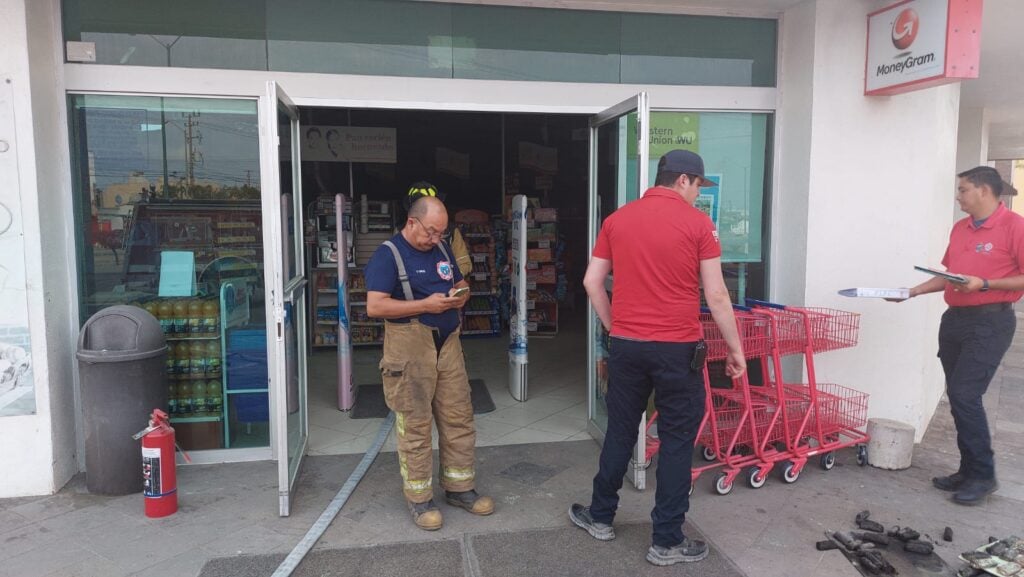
(327,291)
(323,322)
(210,338)
(365,324)
(480,313)
(209,419)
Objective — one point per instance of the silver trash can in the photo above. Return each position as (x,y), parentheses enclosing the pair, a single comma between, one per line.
(122,355)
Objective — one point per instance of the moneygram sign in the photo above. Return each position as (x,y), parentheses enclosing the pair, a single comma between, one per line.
(920,43)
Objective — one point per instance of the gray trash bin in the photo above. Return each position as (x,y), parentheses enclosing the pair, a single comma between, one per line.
(122,357)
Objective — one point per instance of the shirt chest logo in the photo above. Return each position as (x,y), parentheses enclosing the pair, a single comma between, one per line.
(444,270)
(983,247)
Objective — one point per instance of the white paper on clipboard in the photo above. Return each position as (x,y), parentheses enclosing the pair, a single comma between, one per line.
(876,293)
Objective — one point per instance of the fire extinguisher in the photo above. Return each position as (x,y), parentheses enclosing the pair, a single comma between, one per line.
(160,488)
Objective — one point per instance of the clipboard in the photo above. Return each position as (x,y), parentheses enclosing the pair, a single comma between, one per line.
(953,278)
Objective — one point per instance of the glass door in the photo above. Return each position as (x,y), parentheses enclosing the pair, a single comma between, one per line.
(282,196)
(618,168)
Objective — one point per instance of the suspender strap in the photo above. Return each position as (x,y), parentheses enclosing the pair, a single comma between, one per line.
(403,276)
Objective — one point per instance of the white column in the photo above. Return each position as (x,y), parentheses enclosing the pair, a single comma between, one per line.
(38,450)
(972,138)
(879,177)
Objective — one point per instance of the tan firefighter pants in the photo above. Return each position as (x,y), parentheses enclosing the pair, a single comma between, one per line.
(423,387)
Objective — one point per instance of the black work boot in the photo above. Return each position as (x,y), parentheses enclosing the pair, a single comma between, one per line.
(974,491)
(689,551)
(426,515)
(950,483)
(580,516)
(470,501)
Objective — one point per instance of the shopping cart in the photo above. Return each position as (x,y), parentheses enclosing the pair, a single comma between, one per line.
(751,428)
(732,422)
(820,418)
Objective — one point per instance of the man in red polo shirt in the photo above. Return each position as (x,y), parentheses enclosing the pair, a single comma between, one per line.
(987,249)
(662,251)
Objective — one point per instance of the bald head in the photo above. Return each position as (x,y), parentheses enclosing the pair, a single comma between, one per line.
(428,219)
(426,206)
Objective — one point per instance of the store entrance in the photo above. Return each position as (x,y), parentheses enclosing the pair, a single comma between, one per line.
(478,162)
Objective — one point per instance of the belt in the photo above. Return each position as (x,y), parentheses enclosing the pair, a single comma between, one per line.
(981,309)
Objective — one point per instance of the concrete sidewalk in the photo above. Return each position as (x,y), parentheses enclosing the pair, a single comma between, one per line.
(231,510)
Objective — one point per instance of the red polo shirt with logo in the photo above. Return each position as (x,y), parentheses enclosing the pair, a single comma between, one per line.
(656,244)
(993,250)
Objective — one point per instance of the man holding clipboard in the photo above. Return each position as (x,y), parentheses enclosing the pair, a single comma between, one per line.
(984,276)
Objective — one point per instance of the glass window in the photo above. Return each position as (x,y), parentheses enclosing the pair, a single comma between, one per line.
(697,50)
(735,149)
(430,39)
(187,33)
(494,42)
(167,204)
(380,37)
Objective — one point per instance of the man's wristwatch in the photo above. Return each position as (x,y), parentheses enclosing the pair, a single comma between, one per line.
(984,285)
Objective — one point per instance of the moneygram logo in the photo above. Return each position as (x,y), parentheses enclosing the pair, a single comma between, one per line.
(904,29)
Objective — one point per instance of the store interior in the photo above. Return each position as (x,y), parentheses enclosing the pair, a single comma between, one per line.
(478,162)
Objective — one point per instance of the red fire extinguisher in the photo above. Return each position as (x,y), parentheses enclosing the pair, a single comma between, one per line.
(160,487)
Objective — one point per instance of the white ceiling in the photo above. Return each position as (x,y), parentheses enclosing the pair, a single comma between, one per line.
(1000,85)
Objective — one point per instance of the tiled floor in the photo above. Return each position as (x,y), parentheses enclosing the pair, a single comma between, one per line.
(555,410)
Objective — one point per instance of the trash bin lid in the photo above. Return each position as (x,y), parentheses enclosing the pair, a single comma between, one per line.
(120,333)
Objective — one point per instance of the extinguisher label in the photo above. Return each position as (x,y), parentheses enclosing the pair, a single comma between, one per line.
(151,472)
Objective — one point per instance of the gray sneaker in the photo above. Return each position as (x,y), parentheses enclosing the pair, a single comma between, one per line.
(689,551)
(580,516)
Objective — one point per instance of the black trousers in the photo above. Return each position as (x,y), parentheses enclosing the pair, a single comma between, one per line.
(635,368)
(972,342)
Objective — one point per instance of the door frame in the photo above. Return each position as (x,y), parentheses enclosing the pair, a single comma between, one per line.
(312,90)
(640,103)
(283,293)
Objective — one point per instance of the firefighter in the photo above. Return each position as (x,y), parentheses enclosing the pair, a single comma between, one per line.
(412,283)
(454,237)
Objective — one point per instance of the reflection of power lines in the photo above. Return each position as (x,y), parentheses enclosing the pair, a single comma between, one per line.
(193,138)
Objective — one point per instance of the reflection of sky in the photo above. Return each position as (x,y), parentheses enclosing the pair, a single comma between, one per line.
(127,141)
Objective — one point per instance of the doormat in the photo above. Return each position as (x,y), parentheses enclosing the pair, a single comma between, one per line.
(369,403)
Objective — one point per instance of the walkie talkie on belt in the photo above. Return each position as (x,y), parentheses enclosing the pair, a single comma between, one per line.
(700,354)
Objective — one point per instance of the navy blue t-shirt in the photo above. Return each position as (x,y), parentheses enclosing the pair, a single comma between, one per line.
(429,272)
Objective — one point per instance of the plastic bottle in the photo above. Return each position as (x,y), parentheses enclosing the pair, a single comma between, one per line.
(185,398)
(172,399)
(197,358)
(211,317)
(152,308)
(195,318)
(213,361)
(214,397)
(182,362)
(199,398)
(172,367)
(180,308)
(165,312)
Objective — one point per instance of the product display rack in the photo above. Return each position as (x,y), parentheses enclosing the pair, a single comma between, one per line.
(196,371)
(541,273)
(323,301)
(481,315)
(364,330)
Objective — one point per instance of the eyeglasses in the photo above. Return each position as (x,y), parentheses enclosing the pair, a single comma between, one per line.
(431,233)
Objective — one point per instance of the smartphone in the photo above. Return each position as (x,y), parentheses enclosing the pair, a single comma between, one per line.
(460,291)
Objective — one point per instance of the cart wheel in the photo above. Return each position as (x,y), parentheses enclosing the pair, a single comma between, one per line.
(862,455)
(788,475)
(828,460)
(722,486)
(708,453)
(755,478)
